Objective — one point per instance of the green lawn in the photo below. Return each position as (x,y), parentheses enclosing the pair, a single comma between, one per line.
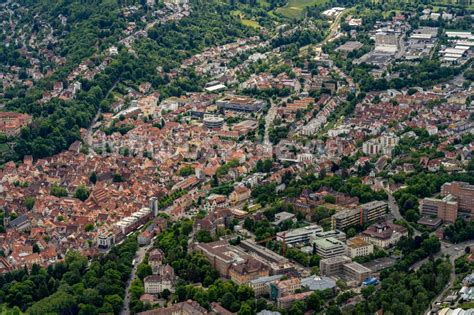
(295,8)
(250,23)
(243,20)
(467,305)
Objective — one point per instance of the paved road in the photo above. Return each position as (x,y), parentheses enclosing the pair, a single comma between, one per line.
(268,121)
(454,251)
(139,256)
(393,207)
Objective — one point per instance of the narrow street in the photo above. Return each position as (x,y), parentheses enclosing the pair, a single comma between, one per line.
(268,122)
(139,256)
(393,207)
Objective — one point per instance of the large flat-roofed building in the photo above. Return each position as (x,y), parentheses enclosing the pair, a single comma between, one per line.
(329,247)
(464,194)
(349,46)
(365,213)
(384,234)
(300,235)
(277,263)
(332,266)
(346,218)
(339,235)
(386,39)
(240,103)
(221,255)
(355,272)
(445,209)
(357,246)
(372,211)
(344,268)
(232,262)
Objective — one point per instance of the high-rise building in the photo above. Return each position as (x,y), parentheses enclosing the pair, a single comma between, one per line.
(464,194)
(446,209)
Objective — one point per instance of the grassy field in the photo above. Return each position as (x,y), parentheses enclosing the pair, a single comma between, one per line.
(295,8)
(243,20)
(250,23)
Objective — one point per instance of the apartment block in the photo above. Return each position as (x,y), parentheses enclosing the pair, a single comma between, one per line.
(371,147)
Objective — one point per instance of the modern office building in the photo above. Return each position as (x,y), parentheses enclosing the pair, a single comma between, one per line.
(343,268)
(331,233)
(333,266)
(346,218)
(300,235)
(212,122)
(240,103)
(464,194)
(445,209)
(355,272)
(329,247)
(372,211)
(365,213)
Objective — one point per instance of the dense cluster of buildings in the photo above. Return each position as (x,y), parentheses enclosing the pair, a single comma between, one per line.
(11,122)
